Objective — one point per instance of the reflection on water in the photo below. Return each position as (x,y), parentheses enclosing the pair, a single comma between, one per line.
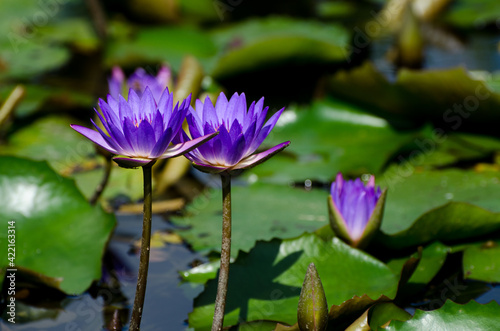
(167,303)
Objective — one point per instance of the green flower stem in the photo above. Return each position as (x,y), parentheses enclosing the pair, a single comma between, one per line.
(220,301)
(142,278)
(102,185)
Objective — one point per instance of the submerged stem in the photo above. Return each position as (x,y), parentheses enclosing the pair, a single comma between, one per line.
(220,301)
(142,278)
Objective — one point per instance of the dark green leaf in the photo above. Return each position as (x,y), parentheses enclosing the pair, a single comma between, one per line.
(276,40)
(265,283)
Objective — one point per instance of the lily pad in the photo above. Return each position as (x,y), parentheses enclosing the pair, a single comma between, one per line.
(264,42)
(159,44)
(431,261)
(453,316)
(438,205)
(60,238)
(482,263)
(265,283)
(329,137)
(472,14)
(383,313)
(50,138)
(42,97)
(260,212)
(70,154)
(454,98)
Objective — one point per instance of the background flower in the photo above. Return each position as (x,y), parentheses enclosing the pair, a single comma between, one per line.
(241,132)
(140,128)
(138,81)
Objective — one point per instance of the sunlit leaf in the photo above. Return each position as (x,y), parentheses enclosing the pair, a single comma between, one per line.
(260,212)
(59,237)
(265,283)
(452,316)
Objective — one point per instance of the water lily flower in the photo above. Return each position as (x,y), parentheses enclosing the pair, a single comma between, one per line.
(138,81)
(241,132)
(356,209)
(141,129)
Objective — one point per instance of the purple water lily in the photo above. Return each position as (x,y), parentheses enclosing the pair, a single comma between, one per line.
(241,132)
(141,129)
(138,81)
(354,206)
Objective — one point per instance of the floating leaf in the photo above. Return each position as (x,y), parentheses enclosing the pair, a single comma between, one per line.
(260,212)
(431,261)
(39,96)
(264,42)
(159,44)
(60,238)
(453,316)
(453,97)
(438,205)
(330,137)
(472,14)
(265,283)
(482,262)
(50,138)
(383,313)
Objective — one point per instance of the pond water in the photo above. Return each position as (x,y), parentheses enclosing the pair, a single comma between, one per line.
(167,301)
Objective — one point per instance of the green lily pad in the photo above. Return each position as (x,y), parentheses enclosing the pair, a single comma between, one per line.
(432,149)
(472,14)
(60,238)
(260,212)
(44,97)
(383,313)
(265,283)
(329,137)
(159,44)
(431,261)
(264,42)
(438,205)
(453,316)
(482,263)
(50,138)
(454,98)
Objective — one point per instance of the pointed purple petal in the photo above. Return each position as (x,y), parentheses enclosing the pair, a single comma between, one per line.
(221,106)
(145,139)
(185,147)
(94,136)
(162,144)
(253,160)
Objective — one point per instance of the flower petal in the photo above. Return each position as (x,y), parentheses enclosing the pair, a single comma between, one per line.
(255,159)
(187,146)
(94,136)
(145,139)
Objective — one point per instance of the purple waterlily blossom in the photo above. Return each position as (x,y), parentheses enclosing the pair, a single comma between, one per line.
(241,132)
(141,129)
(138,81)
(355,202)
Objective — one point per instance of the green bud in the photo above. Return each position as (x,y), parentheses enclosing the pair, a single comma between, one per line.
(312,313)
